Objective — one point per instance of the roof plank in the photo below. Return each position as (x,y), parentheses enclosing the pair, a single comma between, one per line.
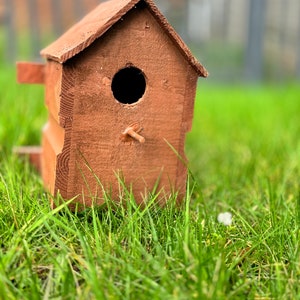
(100,20)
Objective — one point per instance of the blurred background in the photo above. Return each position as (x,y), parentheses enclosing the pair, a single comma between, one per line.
(236,40)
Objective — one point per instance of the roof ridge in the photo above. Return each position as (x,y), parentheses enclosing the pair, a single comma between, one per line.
(83,33)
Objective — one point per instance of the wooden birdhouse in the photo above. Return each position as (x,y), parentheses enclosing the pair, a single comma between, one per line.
(120,88)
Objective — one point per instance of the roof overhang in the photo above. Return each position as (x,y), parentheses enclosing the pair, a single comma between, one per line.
(100,20)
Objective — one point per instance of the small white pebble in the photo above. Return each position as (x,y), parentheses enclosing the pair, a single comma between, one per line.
(225,218)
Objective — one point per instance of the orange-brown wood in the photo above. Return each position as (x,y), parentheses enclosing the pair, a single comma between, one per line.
(32,152)
(100,20)
(97,154)
(93,139)
(28,72)
(53,82)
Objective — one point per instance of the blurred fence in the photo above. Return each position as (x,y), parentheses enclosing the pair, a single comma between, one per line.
(250,39)
(35,23)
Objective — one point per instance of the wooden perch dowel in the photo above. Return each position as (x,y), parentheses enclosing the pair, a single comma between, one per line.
(133,131)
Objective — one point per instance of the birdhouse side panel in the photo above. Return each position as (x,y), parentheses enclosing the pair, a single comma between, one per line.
(99,148)
(53,88)
(52,139)
(66,104)
(56,132)
(52,144)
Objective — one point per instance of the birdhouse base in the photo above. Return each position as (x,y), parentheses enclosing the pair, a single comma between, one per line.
(34,156)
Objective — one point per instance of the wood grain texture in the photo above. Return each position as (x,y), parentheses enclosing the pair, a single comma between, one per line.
(96,152)
(86,146)
(66,122)
(100,20)
(57,132)
(53,81)
(52,144)
(53,134)
(28,72)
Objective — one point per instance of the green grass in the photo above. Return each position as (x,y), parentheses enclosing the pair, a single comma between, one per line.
(244,153)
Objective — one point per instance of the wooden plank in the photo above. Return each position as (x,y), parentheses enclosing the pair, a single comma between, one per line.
(53,88)
(32,152)
(101,19)
(28,72)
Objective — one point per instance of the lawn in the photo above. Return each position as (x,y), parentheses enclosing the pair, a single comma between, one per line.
(244,153)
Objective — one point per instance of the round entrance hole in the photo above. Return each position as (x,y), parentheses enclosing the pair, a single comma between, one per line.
(128,85)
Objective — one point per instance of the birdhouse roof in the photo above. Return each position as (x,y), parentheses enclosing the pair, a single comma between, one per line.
(99,21)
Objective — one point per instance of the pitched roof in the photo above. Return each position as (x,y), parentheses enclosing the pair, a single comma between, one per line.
(101,19)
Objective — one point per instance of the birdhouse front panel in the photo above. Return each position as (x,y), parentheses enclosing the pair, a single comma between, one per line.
(133,76)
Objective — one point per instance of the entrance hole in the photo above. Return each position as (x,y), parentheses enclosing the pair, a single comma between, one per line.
(128,85)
